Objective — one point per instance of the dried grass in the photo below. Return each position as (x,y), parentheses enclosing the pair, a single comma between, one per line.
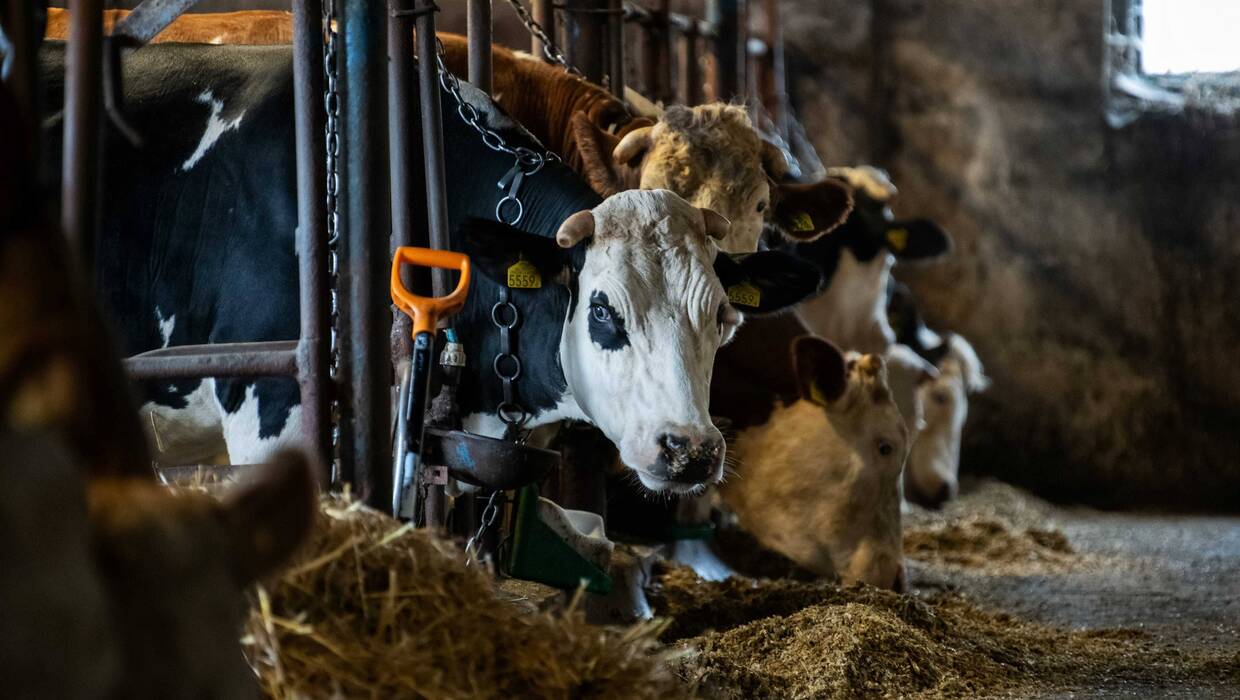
(377,609)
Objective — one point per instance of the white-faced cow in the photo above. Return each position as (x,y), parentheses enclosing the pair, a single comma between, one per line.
(818,451)
(940,401)
(197,245)
(856,260)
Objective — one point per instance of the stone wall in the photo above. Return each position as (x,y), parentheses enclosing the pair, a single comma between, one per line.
(1095,268)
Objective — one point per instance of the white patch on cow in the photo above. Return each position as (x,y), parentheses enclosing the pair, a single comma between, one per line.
(189,435)
(165,326)
(874,182)
(218,39)
(216,127)
(906,370)
(241,428)
(852,311)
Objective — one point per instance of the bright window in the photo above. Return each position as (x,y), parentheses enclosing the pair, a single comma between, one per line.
(1190,36)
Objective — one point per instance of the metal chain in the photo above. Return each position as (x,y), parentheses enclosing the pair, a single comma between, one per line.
(331,104)
(550,51)
(473,546)
(507,366)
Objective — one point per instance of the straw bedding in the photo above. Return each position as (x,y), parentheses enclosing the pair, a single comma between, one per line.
(376,609)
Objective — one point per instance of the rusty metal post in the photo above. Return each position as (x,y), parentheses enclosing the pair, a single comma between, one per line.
(730,21)
(544,13)
(401,152)
(436,183)
(689,71)
(656,50)
(308,117)
(83,129)
(585,37)
(366,315)
(478,28)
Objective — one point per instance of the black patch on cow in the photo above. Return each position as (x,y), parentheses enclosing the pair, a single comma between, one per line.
(605,323)
(782,279)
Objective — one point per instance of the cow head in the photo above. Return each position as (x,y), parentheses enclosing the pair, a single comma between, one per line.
(821,479)
(856,260)
(711,156)
(648,309)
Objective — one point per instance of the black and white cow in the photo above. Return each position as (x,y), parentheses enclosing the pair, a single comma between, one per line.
(197,245)
(856,260)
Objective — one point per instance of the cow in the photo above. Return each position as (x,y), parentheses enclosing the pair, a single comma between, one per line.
(709,154)
(941,401)
(818,450)
(856,261)
(621,331)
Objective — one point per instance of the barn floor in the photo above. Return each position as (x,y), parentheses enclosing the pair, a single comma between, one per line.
(1012,597)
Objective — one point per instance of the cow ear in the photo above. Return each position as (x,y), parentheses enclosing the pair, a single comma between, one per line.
(602,171)
(903,314)
(495,249)
(821,372)
(804,212)
(767,281)
(917,239)
(268,518)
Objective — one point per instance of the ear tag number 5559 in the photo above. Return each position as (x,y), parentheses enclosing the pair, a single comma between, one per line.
(523,275)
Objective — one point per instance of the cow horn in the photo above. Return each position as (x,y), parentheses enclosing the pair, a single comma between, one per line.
(773,161)
(575,229)
(717,225)
(632,145)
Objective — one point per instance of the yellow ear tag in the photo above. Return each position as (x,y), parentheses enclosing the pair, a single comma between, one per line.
(801,222)
(523,275)
(897,239)
(745,294)
(816,395)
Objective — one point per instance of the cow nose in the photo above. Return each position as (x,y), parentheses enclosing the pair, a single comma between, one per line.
(687,463)
(900,584)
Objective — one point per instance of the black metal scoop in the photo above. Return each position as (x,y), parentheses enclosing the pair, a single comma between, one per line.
(485,461)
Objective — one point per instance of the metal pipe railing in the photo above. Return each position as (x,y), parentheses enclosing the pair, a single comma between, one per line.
(274,358)
(401,152)
(83,129)
(478,29)
(544,14)
(308,119)
(365,442)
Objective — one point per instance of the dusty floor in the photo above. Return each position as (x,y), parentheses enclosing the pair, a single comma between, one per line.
(1011,597)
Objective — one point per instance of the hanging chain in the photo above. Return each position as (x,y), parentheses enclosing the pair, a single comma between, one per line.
(507,366)
(473,546)
(550,51)
(331,105)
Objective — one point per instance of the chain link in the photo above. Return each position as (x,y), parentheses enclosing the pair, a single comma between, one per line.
(549,48)
(331,105)
(473,547)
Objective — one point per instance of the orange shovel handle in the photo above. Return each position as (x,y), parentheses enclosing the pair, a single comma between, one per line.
(426,311)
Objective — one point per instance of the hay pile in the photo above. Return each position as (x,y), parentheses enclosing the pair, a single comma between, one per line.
(377,609)
(864,642)
(991,543)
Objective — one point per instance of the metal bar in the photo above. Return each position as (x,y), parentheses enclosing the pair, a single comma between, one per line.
(729,19)
(478,27)
(775,94)
(436,188)
(585,37)
(401,151)
(309,118)
(544,14)
(614,48)
(689,72)
(366,315)
(264,359)
(22,78)
(656,49)
(83,129)
(150,18)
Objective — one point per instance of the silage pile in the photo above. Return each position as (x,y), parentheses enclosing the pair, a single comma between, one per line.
(785,639)
(380,610)
(990,543)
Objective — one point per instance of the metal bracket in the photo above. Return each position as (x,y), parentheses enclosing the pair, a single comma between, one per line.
(150,18)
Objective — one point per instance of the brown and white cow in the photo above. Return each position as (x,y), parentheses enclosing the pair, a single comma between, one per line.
(818,450)
(710,155)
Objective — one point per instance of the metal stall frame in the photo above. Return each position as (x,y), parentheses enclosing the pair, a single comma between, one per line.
(306,358)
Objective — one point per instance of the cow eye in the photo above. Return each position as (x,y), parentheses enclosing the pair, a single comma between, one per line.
(761,206)
(600,313)
(885,448)
(942,398)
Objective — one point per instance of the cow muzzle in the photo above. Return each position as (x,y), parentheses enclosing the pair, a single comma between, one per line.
(685,460)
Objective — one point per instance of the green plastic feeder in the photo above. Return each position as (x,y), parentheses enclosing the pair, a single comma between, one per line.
(539,554)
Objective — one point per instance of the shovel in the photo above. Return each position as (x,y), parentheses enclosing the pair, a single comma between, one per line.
(425,312)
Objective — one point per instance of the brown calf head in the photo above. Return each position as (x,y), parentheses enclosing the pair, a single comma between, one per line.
(174,566)
(820,481)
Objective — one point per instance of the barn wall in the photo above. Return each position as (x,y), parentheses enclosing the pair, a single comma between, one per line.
(1095,269)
